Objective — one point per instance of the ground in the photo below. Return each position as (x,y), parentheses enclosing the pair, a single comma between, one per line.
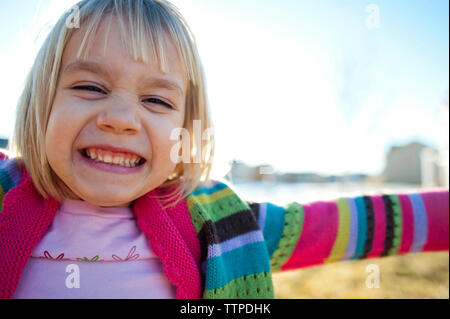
(416,275)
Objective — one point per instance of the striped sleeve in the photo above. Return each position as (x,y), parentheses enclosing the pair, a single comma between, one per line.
(233,249)
(10,174)
(354,228)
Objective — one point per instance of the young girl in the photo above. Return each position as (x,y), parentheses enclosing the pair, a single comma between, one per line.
(96,204)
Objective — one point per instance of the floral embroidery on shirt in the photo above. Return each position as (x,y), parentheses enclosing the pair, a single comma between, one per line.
(48,256)
(131,255)
(95,258)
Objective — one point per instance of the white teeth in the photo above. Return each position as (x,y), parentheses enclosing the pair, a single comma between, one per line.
(118,160)
(134,160)
(107,158)
(92,155)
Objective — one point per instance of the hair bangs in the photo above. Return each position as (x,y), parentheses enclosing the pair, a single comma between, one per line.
(145,28)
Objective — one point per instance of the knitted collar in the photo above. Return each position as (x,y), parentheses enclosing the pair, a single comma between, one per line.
(26,215)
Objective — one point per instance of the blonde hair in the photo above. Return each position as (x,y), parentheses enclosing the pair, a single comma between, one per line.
(148,22)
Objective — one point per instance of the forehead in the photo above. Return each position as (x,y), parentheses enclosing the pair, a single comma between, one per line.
(112,46)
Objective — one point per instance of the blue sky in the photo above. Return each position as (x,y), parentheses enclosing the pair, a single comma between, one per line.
(302,85)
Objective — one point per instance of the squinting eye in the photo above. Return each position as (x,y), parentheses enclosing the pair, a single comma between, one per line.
(88,88)
(158,101)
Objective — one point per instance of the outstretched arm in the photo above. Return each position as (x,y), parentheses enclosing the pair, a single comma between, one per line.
(302,235)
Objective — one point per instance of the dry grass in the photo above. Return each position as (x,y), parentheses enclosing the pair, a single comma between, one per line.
(416,275)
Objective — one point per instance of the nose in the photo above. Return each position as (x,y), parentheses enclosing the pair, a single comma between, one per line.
(119,120)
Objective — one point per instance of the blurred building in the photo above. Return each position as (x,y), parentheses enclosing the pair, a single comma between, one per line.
(242,172)
(438,160)
(302,178)
(414,163)
(430,170)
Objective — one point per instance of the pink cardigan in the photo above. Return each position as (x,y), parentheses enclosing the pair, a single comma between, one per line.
(26,215)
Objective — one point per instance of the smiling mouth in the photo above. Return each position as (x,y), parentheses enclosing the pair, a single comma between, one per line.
(112,158)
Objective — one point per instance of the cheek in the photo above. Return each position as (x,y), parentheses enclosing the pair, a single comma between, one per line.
(61,133)
(161,150)
(57,133)
(162,144)
(55,144)
(56,136)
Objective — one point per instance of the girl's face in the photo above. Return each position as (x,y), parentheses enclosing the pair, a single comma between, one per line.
(116,108)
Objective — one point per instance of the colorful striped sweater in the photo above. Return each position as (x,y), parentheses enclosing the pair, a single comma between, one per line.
(215,244)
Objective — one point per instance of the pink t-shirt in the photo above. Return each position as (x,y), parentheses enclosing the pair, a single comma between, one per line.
(93,252)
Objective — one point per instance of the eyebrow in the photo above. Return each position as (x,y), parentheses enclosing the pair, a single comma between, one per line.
(97,68)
